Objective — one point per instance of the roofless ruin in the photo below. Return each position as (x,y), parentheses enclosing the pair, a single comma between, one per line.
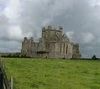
(53,44)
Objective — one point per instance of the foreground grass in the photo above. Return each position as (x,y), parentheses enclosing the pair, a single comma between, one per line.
(54,74)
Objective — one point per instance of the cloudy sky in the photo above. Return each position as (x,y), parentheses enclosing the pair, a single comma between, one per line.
(79,18)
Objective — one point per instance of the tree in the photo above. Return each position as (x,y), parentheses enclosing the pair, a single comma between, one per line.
(94,57)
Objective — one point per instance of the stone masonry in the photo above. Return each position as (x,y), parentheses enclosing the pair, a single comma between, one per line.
(53,44)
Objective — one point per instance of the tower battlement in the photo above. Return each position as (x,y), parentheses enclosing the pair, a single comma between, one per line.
(55,28)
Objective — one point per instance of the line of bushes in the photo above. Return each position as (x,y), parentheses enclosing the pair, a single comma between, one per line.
(16,55)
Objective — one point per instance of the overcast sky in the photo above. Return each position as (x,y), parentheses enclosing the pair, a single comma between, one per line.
(79,18)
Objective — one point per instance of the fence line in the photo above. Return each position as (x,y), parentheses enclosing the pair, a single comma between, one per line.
(6,84)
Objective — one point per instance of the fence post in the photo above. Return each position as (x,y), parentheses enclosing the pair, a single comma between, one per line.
(11,82)
(1,81)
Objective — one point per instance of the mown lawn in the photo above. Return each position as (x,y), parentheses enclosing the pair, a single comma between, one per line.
(54,74)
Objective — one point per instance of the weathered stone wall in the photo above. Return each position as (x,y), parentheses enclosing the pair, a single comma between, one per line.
(76,51)
(69,50)
(50,34)
(27,47)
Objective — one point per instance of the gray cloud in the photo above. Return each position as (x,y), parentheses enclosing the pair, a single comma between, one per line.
(80,19)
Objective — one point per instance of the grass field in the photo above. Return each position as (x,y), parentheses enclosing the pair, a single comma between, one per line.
(54,74)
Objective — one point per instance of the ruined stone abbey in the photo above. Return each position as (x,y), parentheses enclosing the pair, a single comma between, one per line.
(53,44)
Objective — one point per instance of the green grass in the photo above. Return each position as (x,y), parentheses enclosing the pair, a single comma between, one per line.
(54,74)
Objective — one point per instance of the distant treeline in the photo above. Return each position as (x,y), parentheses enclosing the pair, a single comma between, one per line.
(18,55)
(13,55)
(85,59)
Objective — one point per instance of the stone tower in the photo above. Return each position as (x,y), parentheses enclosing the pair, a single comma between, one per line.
(27,47)
(56,41)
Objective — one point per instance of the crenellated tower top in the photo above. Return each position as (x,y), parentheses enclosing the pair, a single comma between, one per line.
(55,28)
